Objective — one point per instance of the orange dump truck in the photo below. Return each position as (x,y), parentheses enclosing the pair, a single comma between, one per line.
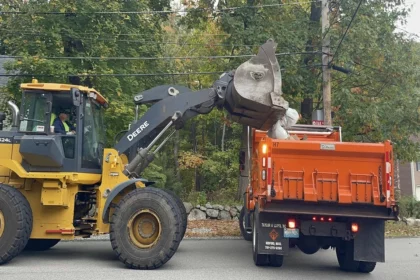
(318,192)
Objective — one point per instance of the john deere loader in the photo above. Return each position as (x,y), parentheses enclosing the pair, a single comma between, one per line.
(58,181)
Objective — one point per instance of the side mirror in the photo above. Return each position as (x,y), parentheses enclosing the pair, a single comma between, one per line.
(76,95)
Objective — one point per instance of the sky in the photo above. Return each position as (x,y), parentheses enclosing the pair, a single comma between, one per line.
(413,20)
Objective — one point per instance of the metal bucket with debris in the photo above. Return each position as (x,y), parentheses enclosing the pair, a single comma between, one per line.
(256,96)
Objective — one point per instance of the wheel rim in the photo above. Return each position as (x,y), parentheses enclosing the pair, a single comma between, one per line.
(144,229)
(2,223)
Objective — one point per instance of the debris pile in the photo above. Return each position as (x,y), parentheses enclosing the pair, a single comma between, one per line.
(279,129)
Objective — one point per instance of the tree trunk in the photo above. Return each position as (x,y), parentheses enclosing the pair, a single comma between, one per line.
(223,137)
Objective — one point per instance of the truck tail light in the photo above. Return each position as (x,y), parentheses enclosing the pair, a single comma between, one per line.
(354,227)
(291,223)
(322,219)
(264,149)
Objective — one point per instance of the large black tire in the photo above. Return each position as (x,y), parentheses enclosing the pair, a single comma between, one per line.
(145,228)
(345,252)
(367,267)
(259,259)
(247,235)
(345,259)
(15,223)
(276,260)
(308,244)
(183,211)
(41,244)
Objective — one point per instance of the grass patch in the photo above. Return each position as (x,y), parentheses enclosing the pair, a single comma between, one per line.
(212,228)
(400,229)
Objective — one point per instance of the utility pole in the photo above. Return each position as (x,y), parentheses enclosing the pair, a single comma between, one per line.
(326,58)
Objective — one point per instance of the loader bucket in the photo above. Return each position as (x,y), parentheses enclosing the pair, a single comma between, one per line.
(256,96)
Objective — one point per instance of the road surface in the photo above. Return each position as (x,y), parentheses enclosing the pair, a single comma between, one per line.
(201,260)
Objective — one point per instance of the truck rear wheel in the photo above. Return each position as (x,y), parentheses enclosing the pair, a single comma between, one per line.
(145,228)
(276,260)
(41,244)
(247,235)
(345,252)
(367,267)
(184,214)
(15,223)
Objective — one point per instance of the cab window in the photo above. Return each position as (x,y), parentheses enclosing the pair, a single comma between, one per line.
(33,117)
(93,135)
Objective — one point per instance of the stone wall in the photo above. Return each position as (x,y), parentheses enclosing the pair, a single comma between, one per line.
(208,211)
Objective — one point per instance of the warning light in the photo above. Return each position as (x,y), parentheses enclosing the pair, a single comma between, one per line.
(330,219)
(354,227)
(313,218)
(264,149)
(291,223)
(322,219)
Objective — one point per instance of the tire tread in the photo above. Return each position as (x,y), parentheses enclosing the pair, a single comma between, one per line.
(162,258)
(24,219)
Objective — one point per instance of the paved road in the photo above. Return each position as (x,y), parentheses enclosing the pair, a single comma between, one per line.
(203,259)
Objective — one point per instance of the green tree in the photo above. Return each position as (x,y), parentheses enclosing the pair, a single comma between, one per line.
(80,32)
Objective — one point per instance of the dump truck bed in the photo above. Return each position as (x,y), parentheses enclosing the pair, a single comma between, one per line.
(323,174)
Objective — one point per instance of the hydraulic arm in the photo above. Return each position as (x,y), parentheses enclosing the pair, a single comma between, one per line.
(251,95)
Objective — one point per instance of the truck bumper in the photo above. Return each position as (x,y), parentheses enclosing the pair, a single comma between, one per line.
(333,210)
(274,237)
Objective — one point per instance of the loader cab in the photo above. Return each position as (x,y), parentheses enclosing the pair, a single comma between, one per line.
(62,127)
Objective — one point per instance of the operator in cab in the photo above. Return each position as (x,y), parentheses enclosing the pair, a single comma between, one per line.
(61,124)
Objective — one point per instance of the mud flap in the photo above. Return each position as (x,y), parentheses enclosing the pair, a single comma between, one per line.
(271,239)
(369,243)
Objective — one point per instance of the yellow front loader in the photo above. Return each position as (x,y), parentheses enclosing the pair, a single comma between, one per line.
(59,182)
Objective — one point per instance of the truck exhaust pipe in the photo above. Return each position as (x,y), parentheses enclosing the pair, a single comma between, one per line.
(15,113)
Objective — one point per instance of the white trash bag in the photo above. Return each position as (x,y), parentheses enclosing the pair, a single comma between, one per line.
(278,131)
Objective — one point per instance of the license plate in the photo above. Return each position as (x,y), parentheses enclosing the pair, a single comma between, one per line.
(291,233)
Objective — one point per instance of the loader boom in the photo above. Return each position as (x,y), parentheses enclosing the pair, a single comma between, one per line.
(251,95)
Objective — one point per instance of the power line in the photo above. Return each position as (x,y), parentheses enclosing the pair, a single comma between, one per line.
(134,74)
(33,32)
(347,29)
(159,12)
(148,58)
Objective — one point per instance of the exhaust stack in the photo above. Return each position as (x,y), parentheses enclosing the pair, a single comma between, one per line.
(15,113)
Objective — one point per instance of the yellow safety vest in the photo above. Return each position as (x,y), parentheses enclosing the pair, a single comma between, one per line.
(53,117)
(66,127)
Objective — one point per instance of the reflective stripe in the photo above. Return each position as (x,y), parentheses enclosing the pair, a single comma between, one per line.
(269,174)
(388,178)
